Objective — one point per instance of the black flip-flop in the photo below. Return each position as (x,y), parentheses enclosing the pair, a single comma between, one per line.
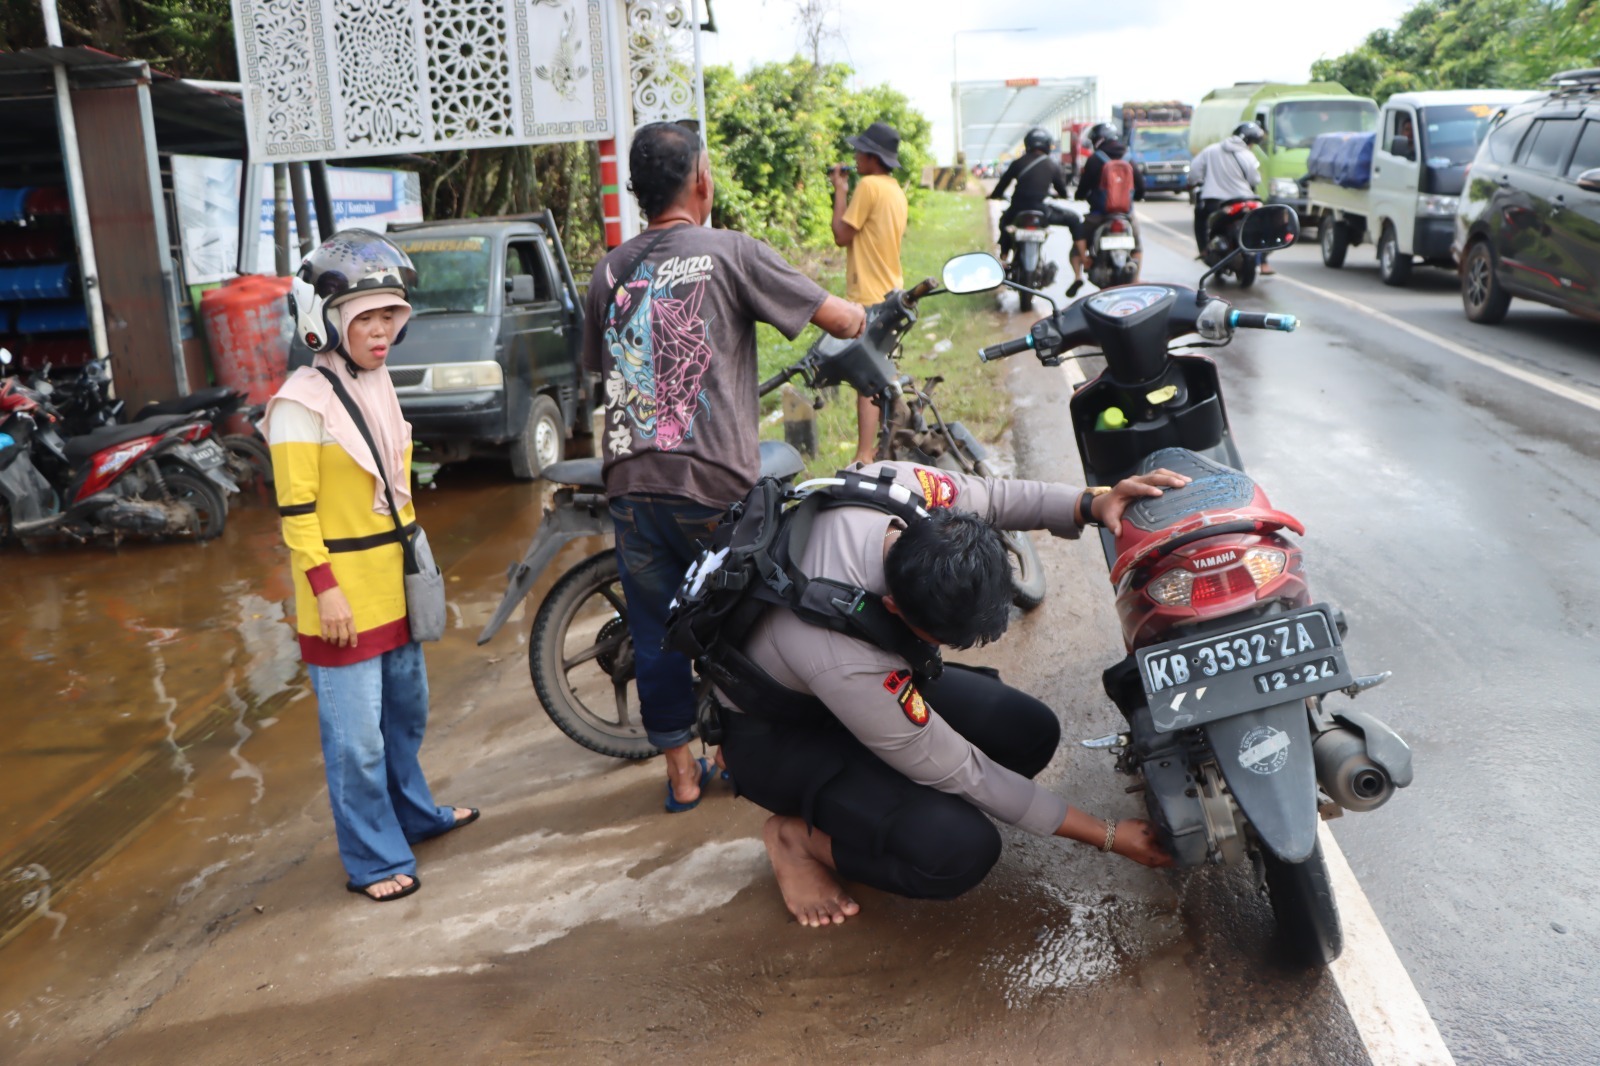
(468,820)
(405,890)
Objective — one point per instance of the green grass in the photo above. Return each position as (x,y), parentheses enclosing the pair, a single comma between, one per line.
(950,223)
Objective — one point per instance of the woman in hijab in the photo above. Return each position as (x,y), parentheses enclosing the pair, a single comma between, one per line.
(349,299)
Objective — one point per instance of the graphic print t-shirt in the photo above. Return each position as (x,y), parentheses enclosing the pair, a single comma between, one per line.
(675,346)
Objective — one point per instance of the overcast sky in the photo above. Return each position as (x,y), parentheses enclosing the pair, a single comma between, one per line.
(1149,49)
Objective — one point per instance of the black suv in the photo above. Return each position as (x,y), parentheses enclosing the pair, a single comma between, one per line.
(1529,220)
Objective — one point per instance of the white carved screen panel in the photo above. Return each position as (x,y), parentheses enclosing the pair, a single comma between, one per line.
(375,77)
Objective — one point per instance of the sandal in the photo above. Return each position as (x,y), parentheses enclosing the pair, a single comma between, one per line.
(676,806)
(405,890)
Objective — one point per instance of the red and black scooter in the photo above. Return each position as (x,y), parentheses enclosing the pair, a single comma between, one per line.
(161,477)
(1230,656)
(1222,253)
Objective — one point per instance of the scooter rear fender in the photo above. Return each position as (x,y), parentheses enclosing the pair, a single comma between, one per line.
(561,525)
(1266,760)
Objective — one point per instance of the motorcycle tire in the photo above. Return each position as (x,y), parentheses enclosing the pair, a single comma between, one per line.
(1245,271)
(211,510)
(253,452)
(610,656)
(1024,301)
(1304,906)
(1027,577)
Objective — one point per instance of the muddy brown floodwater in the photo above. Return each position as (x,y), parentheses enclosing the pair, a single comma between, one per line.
(171,889)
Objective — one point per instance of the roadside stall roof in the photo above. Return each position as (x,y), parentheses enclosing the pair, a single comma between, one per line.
(189,120)
(996,115)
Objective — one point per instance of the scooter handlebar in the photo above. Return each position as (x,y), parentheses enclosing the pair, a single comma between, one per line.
(1008,348)
(1261,320)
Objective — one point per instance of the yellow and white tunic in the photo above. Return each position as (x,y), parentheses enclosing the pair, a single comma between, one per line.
(336,538)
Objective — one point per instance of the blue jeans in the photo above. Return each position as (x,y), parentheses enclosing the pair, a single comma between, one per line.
(373,714)
(658,539)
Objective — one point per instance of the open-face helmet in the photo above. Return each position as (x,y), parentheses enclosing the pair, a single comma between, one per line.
(351,263)
(1250,133)
(1038,140)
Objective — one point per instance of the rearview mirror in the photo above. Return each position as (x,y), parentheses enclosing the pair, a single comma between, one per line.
(520,286)
(5,356)
(1401,146)
(1267,229)
(1590,180)
(973,272)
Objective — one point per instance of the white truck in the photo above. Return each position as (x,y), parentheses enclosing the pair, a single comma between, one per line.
(1404,200)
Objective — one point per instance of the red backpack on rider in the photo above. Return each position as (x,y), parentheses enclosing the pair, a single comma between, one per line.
(1116,182)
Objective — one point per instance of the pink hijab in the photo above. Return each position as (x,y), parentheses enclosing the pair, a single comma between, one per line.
(373,393)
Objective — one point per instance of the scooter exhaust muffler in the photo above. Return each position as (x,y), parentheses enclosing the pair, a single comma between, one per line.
(1347,773)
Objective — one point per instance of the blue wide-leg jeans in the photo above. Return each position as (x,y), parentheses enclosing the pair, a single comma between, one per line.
(373,714)
(658,539)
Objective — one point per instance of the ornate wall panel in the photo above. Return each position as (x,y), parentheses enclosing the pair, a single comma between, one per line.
(375,77)
(661,61)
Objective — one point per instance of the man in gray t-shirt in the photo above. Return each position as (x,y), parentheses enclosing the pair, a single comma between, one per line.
(670,329)
(892,780)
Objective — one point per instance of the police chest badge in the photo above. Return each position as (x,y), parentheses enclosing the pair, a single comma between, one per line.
(898,684)
(939,490)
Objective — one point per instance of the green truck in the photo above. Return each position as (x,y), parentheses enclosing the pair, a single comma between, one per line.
(1292,116)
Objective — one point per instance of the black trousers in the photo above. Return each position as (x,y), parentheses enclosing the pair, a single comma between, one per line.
(1202,212)
(887,832)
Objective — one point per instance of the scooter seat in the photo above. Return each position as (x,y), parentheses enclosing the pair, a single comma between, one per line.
(1215,488)
(780,460)
(1029,220)
(80,448)
(217,396)
(1219,500)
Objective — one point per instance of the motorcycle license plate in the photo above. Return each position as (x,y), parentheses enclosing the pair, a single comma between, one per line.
(208,455)
(1118,241)
(1033,236)
(1189,682)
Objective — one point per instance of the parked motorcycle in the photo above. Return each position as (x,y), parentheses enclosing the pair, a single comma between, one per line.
(1222,242)
(580,653)
(1230,657)
(156,478)
(1111,249)
(85,403)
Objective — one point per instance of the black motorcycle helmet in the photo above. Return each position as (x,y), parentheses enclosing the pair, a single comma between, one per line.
(1250,132)
(1101,131)
(1038,140)
(353,262)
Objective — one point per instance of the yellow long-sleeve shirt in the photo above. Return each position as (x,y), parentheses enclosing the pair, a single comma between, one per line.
(336,538)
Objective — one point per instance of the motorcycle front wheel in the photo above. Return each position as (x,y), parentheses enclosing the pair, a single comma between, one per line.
(580,655)
(1306,912)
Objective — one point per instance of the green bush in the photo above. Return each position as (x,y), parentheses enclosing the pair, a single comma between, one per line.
(774,130)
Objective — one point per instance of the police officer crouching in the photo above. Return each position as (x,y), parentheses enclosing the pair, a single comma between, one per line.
(880,764)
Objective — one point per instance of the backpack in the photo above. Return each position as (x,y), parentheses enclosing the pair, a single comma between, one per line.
(1116,187)
(751,567)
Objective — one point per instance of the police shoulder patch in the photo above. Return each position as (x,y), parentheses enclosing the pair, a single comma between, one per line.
(939,490)
(897,680)
(912,703)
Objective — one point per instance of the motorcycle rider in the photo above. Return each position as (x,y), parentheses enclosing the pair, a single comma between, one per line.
(1038,175)
(1225,173)
(1104,148)
(879,776)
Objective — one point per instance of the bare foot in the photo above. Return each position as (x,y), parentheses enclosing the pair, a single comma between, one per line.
(389,886)
(810,890)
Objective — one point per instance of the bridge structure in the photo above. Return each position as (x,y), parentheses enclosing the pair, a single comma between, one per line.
(992,117)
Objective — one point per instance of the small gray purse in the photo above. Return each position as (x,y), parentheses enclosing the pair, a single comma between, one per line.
(425,610)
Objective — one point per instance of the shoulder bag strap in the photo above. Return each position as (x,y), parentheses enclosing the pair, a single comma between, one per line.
(633,264)
(377,457)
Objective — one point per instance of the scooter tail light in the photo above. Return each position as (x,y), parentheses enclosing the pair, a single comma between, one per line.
(1221,585)
(1265,564)
(1119,226)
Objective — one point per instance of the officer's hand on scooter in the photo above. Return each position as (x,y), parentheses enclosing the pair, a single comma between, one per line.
(1107,508)
(1136,839)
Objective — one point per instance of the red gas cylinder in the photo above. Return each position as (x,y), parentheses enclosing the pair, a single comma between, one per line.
(248,328)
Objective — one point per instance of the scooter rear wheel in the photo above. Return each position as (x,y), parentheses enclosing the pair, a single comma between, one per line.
(1304,906)
(210,509)
(580,656)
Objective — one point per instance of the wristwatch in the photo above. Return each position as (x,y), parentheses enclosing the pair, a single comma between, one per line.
(1084,512)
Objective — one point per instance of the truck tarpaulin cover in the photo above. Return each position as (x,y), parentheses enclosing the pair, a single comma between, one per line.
(1342,158)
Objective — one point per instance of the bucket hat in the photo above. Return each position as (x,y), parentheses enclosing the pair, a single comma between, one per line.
(881,140)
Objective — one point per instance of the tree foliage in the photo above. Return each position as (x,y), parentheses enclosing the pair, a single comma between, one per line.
(774,130)
(186,38)
(1470,44)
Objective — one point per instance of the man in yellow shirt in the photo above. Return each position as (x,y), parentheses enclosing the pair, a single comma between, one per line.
(869,227)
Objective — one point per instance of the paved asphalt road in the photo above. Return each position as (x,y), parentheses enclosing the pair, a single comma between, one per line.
(1452,511)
